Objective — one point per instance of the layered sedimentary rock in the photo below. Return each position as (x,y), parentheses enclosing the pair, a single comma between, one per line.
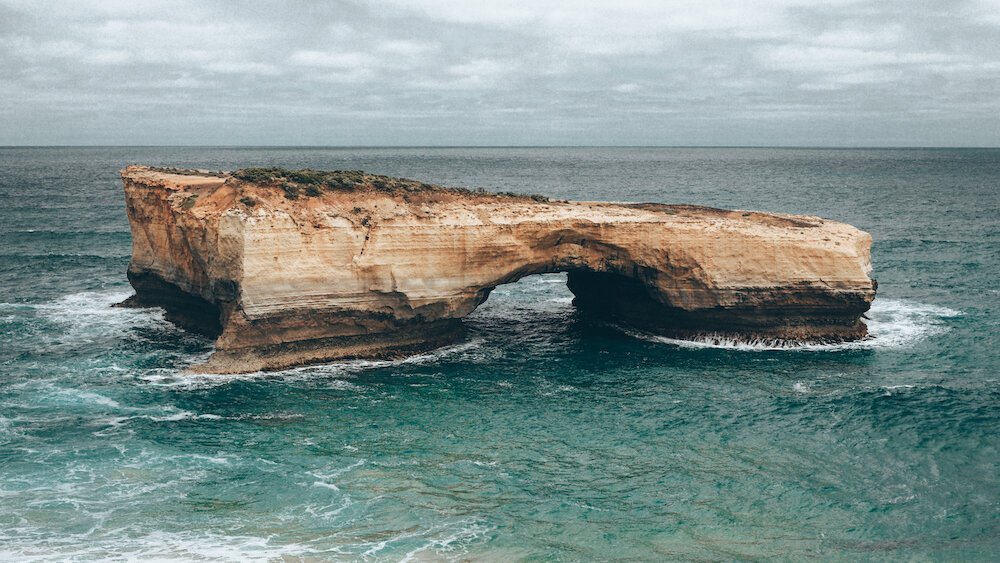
(287,268)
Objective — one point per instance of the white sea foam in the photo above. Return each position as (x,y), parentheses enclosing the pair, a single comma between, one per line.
(337,370)
(154,546)
(892,324)
(7,430)
(88,319)
(78,395)
(451,541)
(890,390)
(327,474)
(210,459)
(466,530)
(161,414)
(92,305)
(331,510)
(115,423)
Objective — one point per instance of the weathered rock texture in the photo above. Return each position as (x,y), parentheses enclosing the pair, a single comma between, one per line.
(364,267)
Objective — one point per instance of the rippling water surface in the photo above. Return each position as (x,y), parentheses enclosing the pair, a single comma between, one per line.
(542,435)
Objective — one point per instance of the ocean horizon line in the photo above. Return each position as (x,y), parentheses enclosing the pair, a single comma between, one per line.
(281,146)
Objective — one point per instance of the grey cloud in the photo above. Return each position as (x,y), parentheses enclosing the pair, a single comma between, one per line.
(410,72)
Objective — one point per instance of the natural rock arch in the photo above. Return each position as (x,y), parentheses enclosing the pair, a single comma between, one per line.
(380,269)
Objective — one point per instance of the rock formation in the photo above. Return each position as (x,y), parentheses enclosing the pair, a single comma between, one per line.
(293,267)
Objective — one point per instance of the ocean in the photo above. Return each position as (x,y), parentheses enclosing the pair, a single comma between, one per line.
(542,435)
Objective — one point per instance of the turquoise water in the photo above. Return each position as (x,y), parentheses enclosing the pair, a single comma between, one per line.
(542,436)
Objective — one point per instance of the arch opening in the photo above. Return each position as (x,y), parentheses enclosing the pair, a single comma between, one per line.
(603,296)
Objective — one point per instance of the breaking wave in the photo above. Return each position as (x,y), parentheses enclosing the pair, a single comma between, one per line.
(892,324)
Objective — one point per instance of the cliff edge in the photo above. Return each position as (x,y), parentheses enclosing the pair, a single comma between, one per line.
(293,267)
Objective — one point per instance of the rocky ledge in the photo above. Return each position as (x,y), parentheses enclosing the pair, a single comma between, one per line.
(292,267)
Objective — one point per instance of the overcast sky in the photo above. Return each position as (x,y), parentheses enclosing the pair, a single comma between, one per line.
(501,72)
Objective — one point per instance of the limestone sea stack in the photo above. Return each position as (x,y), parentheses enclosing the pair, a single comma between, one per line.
(287,267)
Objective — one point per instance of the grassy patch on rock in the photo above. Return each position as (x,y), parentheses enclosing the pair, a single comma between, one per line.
(312,183)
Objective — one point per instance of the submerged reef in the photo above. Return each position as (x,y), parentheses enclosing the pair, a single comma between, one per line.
(289,267)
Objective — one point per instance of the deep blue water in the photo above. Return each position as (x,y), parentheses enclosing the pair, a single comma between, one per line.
(541,436)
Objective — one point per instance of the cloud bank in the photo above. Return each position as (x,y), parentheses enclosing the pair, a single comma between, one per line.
(501,72)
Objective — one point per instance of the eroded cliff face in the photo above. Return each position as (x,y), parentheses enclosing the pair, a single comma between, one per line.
(366,268)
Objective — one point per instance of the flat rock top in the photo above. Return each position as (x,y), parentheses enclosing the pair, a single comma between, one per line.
(173,178)
(382,199)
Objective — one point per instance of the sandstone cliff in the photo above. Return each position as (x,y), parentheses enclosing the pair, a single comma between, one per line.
(287,268)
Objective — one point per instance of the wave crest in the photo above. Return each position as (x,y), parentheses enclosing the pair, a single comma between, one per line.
(892,324)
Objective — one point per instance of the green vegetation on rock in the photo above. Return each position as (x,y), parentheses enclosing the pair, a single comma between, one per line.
(312,182)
